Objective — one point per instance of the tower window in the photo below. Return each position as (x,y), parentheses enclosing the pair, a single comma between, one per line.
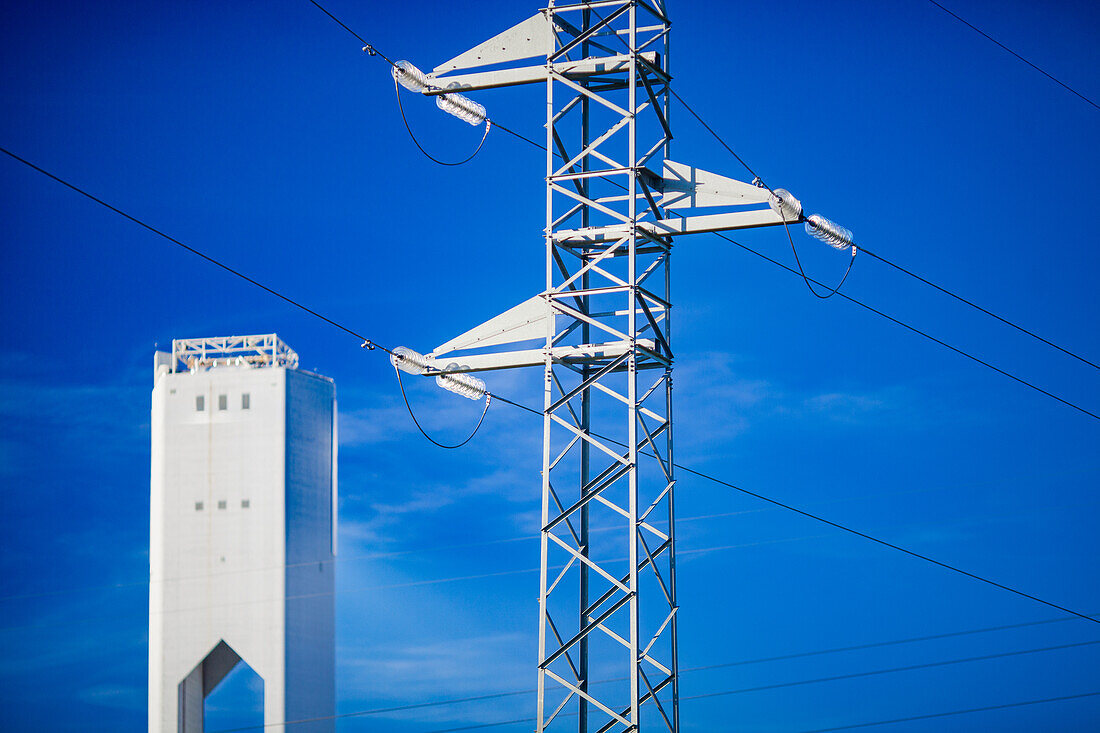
(221,504)
(200,403)
(198,506)
(245,503)
(246,401)
(223,402)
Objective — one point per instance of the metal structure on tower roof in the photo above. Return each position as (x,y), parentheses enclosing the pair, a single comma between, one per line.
(259,350)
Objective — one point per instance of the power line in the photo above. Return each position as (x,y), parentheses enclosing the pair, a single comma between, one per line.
(878,257)
(722,142)
(481,726)
(429,156)
(410,583)
(884,543)
(369,343)
(367,46)
(365,341)
(856,532)
(985,35)
(977,307)
(929,716)
(808,280)
(890,670)
(887,262)
(372,50)
(496,574)
(458,578)
(341,559)
(916,330)
(702,696)
(344,559)
(893,642)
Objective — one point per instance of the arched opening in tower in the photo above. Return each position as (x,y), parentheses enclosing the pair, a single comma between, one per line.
(238,702)
(222,692)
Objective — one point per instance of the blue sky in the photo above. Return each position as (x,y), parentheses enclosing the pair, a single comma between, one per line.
(258,132)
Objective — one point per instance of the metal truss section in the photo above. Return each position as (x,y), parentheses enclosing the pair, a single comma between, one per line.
(607,602)
(264,350)
(615,203)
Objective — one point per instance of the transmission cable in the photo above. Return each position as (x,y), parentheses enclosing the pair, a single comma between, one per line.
(865,536)
(810,282)
(722,142)
(929,716)
(798,262)
(429,156)
(879,644)
(829,292)
(919,332)
(702,696)
(367,46)
(370,49)
(977,307)
(345,559)
(878,257)
(892,670)
(365,342)
(985,35)
(842,527)
(857,533)
(488,399)
(884,543)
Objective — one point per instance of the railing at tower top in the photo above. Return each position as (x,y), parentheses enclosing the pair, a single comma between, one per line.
(262,350)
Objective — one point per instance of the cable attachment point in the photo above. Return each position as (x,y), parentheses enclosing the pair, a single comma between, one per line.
(464,385)
(413,79)
(830,233)
(367,344)
(786,205)
(369,49)
(407,360)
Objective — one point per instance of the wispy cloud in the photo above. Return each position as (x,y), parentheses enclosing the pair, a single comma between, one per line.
(114,696)
(419,672)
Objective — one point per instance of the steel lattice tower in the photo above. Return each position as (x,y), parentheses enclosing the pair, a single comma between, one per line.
(607,598)
(607,602)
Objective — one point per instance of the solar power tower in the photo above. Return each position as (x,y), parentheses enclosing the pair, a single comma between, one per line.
(242,532)
(615,202)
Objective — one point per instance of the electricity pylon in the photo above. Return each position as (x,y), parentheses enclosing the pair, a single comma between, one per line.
(607,599)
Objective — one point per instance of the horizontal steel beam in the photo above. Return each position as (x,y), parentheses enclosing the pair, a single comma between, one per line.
(535,357)
(675,226)
(535,74)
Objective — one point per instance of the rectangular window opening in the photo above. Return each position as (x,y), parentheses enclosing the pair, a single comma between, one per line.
(221,504)
(198,506)
(245,503)
(200,403)
(246,401)
(223,402)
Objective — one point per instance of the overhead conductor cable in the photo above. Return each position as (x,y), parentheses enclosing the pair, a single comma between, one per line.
(790,211)
(406,360)
(454,104)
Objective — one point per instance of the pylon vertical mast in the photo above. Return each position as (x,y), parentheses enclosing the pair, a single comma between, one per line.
(601,133)
(607,583)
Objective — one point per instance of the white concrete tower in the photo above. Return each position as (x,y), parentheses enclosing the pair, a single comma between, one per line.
(242,532)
